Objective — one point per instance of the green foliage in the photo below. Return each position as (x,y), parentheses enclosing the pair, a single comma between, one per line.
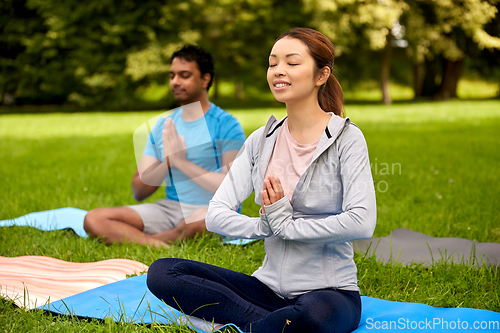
(442,27)
(485,62)
(356,25)
(74,50)
(96,38)
(27,64)
(106,53)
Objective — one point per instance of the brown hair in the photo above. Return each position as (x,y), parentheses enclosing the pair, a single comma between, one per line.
(330,95)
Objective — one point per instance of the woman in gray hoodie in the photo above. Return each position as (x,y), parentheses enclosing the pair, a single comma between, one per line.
(311,174)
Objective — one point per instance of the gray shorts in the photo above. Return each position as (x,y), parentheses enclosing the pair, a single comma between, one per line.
(163,214)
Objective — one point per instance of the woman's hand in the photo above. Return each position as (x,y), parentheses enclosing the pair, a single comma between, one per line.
(272,191)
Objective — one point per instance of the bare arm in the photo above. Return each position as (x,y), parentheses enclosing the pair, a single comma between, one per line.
(151,171)
(176,151)
(206,179)
(148,177)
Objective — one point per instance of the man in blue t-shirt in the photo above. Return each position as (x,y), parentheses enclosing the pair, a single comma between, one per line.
(190,150)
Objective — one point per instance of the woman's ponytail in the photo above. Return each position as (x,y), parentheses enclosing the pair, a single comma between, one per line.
(331,96)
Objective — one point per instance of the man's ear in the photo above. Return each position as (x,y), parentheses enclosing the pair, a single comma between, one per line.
(205,78)
(324,75)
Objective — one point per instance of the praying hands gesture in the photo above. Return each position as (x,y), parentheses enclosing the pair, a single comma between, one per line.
(174,146)
(272,192)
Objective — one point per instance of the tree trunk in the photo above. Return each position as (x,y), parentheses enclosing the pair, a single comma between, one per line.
(430,86)
(215,85)
(240,95)
(451,74)
(8,99)
(385,70)
(418,79)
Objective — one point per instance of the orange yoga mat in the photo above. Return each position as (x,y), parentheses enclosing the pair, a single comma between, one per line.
(31,281)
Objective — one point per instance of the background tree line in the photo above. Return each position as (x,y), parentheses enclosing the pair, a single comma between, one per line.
(100,53)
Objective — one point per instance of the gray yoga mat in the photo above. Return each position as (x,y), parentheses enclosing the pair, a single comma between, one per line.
(406,246)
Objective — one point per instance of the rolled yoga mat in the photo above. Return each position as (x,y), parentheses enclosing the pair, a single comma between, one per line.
(31,281)
(407,247)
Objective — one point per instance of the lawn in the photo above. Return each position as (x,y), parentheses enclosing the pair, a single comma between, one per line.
(435,167)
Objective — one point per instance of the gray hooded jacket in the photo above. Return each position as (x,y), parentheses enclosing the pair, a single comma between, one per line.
(308,240)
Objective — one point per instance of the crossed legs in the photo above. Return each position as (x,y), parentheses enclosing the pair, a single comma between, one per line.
(216,294)
(124,224)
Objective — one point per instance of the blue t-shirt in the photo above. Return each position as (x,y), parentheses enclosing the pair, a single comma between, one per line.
(207,139)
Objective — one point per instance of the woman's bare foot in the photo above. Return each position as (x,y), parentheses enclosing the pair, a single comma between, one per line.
(216,327)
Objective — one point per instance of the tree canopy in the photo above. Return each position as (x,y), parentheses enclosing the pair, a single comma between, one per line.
(100,52)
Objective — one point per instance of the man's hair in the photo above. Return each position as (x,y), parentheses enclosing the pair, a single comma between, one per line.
(195,53)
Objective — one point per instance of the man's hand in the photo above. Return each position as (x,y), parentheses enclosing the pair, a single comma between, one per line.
(174,146)
(272,191)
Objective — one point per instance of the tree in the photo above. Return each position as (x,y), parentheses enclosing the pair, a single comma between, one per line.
(486,61)
(96,37)
(238,33)
(27,64)
(75,50)
(361,26)
(100,52)
(441,34)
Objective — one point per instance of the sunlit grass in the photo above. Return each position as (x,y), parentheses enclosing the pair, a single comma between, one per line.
(370,91)
(364,91)
(434,165)
(473,89)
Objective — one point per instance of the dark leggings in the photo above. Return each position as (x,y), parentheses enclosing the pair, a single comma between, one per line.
(224,296)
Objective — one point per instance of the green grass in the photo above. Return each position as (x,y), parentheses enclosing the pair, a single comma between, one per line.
(477,88)
(370,91)
(435,168)
(363,91)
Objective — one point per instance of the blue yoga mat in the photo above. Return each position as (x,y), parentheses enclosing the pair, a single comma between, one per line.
(129,300)
(55,219)
(72,218)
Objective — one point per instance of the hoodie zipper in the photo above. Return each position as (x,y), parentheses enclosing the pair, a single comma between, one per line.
(301,181)
(286,250)
(282,270)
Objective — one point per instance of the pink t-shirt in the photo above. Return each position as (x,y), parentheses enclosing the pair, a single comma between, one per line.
(289,159)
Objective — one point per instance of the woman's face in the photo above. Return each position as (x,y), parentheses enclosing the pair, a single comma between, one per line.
(291,73)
